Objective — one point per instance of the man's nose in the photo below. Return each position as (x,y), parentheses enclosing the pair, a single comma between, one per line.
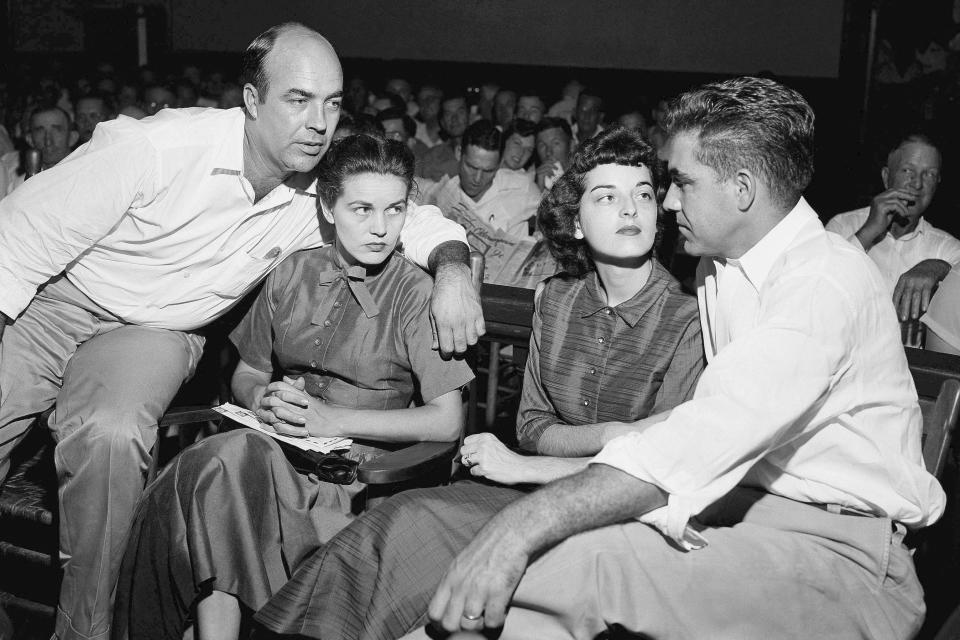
(671,201)
(317,119)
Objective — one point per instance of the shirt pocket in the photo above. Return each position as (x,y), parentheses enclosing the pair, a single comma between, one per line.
(239,272)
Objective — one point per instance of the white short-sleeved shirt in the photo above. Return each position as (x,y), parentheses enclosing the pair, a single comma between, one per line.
(154,221)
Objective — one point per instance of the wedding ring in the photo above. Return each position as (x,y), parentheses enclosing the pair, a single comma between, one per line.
(465,459)
(476,617)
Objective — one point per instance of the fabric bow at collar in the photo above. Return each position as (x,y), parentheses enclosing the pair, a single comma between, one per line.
(355,277)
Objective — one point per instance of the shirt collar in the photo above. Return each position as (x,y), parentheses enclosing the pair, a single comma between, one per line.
(633,309)
(757,262)
(355,277)
(922,226)
(229,157)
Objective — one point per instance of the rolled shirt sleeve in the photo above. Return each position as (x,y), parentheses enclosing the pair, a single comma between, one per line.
(58,214)
(425,229)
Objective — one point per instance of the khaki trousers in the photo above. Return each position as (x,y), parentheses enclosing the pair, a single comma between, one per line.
(773,568)
(111,382)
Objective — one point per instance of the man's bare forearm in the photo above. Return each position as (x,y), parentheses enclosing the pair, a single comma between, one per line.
(451,252)
(598,496)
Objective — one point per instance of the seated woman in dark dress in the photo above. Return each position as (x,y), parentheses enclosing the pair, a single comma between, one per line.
(337,344)
(614,340)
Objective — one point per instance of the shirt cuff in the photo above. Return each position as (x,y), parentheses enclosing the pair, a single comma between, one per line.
(672,520)
(432,230)
(15,296)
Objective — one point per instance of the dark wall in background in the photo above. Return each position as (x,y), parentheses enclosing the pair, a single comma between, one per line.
(788,37)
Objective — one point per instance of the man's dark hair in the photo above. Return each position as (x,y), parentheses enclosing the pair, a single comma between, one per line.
(105,99)
(482,134)
(396,102)
(360,123)
(361,153)
(554,123)
(454,95)
(560,206)
(52,108)
(530,93)
(749,123)
(589,92)
(252,62)
(395,113)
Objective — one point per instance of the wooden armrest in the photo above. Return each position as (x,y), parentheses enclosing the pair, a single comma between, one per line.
(411,462)
(188,415)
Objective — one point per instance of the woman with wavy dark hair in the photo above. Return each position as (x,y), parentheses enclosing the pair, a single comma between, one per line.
(614,340)
(337,343)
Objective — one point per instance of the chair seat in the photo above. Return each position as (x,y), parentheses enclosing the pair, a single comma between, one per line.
(28,498)
(28,534)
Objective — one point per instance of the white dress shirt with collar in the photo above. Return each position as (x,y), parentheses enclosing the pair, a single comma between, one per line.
(895,256)
(807,393)
(508,204)
(154,221)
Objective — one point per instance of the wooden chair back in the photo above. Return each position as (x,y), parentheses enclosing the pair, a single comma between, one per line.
(937,378)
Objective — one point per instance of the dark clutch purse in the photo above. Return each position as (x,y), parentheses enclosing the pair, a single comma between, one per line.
(331,467)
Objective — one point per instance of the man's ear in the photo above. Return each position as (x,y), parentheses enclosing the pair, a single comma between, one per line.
(327,214)
(251,98)
(72,140)
(885,176)
(29,138)
(745,185)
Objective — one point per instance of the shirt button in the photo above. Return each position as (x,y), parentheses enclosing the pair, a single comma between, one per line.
(608,311)
(313,364)
(273,253)
(586,403)
(337,305)
(317,342)
(326,323)
(593,370)
(600,340)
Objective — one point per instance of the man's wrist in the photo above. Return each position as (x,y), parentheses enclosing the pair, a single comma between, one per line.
(449,253)
(451,270)
(939,268)
(867,236)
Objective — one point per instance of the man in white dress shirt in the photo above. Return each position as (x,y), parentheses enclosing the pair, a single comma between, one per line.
(500,198)
(774,503)
(113,259)
(913,256)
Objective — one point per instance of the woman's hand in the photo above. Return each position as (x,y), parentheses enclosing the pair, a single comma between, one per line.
(325,420)
(283,405)
(489,458)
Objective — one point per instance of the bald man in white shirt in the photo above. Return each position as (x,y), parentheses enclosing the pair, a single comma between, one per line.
(772,504)
(111,261)
(913,255)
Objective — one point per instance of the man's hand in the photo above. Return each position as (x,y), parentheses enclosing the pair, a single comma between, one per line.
(489,458)
(455,313)
(478,586)
(884,208)
(915,288)
(547,174)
